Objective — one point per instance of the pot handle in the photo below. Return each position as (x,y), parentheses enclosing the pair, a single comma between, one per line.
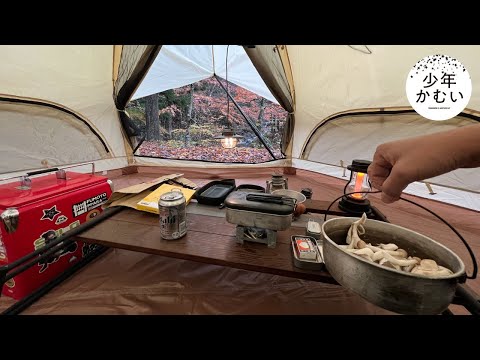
(475,267)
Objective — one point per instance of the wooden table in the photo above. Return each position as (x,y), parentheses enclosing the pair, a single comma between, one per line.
(209,239)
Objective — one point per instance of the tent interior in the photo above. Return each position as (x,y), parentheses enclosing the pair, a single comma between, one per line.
(307,108)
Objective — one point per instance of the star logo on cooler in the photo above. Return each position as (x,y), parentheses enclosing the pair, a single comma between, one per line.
(50,213)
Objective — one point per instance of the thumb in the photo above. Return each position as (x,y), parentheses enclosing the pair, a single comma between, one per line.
(393,186)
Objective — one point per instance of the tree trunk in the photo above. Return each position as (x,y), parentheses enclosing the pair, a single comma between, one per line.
(189,117)
(210,91)
(261,112)
(151,118)
(272,129)
(169,126)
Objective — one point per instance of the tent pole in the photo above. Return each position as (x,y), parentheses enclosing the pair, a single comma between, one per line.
(247,119)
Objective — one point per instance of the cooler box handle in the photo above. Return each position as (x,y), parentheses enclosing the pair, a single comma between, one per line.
(38,172)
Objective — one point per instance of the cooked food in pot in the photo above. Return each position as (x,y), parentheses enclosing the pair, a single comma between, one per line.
(389,255)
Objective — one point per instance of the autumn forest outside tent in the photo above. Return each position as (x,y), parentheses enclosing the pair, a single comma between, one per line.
(181,107)
(310,107)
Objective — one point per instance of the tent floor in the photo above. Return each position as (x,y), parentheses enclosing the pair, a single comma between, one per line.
(125,282)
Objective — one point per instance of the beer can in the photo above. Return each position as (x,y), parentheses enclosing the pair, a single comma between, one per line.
(173,215)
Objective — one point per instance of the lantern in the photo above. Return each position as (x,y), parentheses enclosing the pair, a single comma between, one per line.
(357,204)
(228,139)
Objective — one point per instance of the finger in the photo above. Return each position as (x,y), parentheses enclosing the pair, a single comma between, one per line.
(378,181)
(393,186)
(379,166)
(376,170)
(378,174)
(380,157)
(389,199)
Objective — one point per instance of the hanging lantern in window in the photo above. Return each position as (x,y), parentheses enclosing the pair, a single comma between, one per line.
(228,139)
(357,204)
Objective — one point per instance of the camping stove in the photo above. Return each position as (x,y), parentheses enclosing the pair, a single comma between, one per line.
(259,216)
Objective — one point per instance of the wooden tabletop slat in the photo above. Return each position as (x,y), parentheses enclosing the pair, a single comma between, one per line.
(209,239)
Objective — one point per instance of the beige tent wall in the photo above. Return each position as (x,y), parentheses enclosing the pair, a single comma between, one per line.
(129,57)
(324,80)
(331,80)
(334,78)
(77,77)
(273,65)
(356,137)
(33,136)
(465,199)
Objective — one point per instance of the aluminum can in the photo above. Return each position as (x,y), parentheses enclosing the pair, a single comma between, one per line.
(173,215)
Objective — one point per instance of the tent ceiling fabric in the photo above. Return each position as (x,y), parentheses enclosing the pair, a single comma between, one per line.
(180,65)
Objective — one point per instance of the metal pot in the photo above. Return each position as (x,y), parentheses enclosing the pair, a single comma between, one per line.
(391,289)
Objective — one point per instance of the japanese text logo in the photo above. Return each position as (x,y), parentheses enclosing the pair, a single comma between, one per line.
(439,87)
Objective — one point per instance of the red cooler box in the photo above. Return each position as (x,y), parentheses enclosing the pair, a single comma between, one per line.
(35,211)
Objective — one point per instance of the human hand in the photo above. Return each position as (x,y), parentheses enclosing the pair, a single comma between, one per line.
(396,164)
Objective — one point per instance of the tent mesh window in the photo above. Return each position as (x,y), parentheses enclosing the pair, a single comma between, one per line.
(190,117)
(36,134)
(356,135)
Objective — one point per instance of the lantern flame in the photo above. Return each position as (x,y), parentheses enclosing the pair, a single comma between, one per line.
(358,186)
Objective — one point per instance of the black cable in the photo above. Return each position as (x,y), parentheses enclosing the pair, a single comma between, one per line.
(475,268)
(474,260)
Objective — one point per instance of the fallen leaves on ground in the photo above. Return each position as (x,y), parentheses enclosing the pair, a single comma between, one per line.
(213,153)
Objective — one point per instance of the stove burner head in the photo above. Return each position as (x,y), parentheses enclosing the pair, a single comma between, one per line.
(258,235)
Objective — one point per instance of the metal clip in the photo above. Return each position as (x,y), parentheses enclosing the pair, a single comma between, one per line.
(25,183)
(61,174)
